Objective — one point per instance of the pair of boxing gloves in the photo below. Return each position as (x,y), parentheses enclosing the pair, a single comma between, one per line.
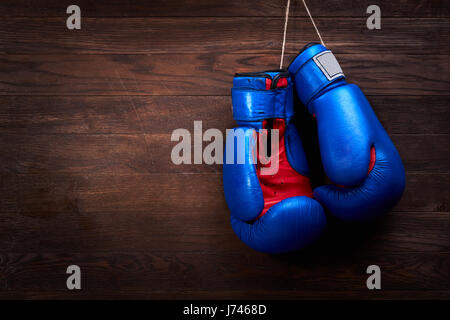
(273,207)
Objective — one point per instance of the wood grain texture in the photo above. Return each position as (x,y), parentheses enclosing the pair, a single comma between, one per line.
(49,194)
(158,114)
(166,230)
(204,74)
(285,295)
(85,171)
(219,8)
(151,153)
(221,35)
(219,273)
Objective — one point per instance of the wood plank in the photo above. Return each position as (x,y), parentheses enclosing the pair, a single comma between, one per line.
(203,231)
(215,8)
(203,74)
(151,153)
(248,294)
(221,35)
(156,114)
(47,195)
(177,274)
(411,146)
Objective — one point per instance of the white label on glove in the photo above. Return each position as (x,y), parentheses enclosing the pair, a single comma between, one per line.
(327,62)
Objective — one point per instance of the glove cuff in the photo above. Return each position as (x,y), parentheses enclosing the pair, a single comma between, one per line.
(262,95)
(314,69)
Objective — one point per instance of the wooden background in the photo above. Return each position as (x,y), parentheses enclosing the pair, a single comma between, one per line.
(85,124)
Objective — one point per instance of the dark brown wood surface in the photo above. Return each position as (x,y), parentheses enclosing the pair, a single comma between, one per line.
(86,178)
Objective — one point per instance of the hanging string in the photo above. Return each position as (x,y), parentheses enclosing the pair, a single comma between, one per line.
(312,20)
(284,34)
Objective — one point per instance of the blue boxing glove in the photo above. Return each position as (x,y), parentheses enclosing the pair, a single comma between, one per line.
(357,154)
(265,169)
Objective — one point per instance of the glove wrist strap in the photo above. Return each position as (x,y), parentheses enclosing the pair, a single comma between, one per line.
(254,104)
(313,70)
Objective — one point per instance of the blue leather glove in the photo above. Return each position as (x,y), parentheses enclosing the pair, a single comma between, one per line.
(357,153)
(270,198)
